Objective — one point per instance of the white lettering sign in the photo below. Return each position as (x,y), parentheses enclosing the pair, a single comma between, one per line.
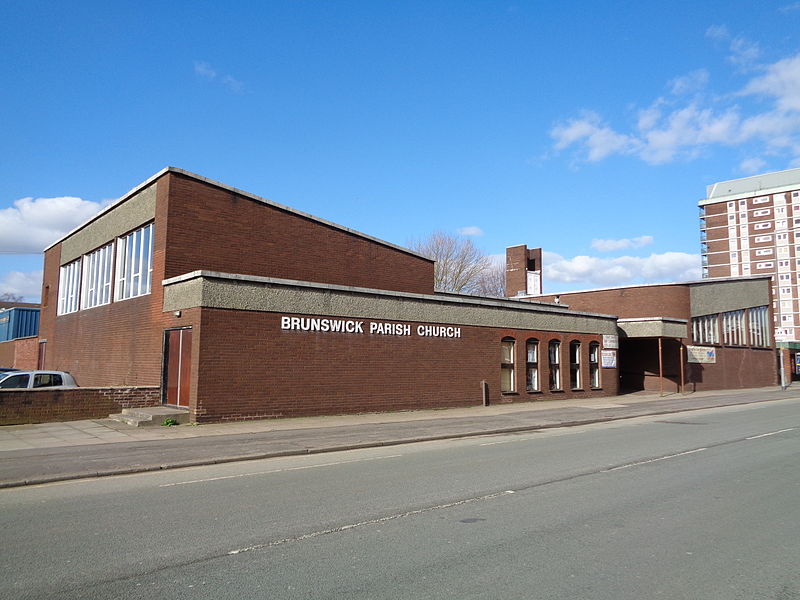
(373,327)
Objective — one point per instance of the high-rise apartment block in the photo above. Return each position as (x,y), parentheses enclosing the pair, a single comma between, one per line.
(751,226)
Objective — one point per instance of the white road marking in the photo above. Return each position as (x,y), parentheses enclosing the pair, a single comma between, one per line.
(652,460)
(339,462)
(369,522)
(754,437)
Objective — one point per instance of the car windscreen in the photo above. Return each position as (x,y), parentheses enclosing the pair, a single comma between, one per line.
(15,381)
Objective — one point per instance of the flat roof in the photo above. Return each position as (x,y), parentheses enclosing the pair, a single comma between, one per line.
(243,193)
(540,306)
(627,287)
(766,183)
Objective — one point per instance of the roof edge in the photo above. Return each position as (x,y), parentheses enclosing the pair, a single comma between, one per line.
(475,300)
(240,192)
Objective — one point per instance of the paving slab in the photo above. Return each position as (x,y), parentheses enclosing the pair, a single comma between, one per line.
(33,454)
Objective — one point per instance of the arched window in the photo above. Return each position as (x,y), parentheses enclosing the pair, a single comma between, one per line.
(532,365)
(594,364)
(575,364)
(554,359)
(507,365)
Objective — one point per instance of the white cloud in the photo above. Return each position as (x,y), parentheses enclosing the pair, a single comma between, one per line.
(208,72)
(598,138)
(27,285)
(752,165)
(743,52)
(620,244)
(32,224)
(689,83)
(203,69)
(622,270)
(781,81)
(686,124)
(471,230)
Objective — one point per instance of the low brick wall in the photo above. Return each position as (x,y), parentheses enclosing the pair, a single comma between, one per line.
(21,353)
(18,407)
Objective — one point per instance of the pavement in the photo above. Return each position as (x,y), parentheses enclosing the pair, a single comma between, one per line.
(49,452)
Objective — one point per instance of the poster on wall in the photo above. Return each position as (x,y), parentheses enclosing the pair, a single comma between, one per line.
(608,359)
(701,354)
(610,341)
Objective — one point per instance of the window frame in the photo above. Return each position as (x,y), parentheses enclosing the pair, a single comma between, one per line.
(554,370)
(508,349)
(575,379)
(69,287)
(97,277)
(134,250)
(595,382)
(532,382)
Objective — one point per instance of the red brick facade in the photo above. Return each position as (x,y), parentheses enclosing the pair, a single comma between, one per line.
(21,353)
(637,302)
(240,235)
(249,368)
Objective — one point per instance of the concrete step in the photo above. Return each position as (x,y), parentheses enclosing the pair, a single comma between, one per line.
(150,415)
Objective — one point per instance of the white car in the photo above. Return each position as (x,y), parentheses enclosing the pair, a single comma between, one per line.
(36,379)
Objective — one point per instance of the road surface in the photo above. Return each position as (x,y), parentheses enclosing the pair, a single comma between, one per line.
(698,505)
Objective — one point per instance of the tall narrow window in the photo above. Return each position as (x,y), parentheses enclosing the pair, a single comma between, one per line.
(69,285)
(532,366)
(554,358)
(134,263)
(97,277)
(733,331)
(759,326)
(507,365)
(594,364)
(575,365)
(704,330)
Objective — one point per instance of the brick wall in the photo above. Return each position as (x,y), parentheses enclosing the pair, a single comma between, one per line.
(120,343)
(736,368)
(632,302)
(216,229)
(249,368)
(21,353)
(71,404)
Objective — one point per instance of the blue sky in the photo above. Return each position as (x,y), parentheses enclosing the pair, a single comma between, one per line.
(589,129)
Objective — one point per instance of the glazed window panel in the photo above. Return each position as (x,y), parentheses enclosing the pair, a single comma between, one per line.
(69,286)
(532,366)
(733,331)
(575,365)
(758,318)
(134,263)
(705,330)
(594,364)
(554,360)
(97,277)
(507,346)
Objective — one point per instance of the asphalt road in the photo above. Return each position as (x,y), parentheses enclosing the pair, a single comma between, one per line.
(699,505)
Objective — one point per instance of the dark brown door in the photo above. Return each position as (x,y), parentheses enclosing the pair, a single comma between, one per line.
(178,362)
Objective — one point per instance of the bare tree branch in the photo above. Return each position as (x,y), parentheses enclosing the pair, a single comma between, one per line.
(9,297)
(460,264)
